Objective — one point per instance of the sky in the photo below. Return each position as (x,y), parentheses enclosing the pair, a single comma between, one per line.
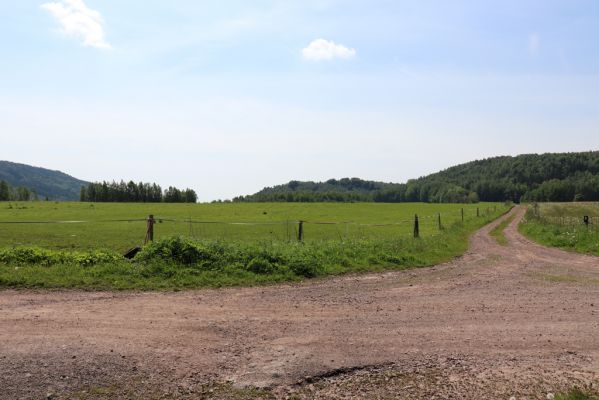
(227,97)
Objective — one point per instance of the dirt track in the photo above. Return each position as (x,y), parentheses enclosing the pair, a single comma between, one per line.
(500,321)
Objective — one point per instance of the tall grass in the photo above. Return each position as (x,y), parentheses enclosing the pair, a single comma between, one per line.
(573,237)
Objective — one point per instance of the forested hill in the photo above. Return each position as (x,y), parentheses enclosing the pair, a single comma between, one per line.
(55,185)
(336,190)
(528,177)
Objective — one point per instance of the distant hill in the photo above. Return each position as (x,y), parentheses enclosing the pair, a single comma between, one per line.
(55,185)
(335,190)
(528,177)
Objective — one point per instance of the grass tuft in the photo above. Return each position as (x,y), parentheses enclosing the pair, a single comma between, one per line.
(498,234)
(576,394)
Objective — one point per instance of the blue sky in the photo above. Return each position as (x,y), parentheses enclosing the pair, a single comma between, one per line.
(227,97)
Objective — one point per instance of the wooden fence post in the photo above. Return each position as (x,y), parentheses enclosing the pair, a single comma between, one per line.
(300,231)
(150,229)
(477,212)
(416,227)
(440,225)
(462,215)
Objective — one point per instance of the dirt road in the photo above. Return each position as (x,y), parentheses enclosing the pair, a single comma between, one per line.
(520,320)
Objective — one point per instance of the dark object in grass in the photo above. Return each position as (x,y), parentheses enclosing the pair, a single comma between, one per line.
(131,253)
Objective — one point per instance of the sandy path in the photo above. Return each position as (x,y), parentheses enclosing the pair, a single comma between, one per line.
(500,320)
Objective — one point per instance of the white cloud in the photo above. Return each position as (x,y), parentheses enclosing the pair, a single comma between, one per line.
(321,49)
(80,21)
(534,44)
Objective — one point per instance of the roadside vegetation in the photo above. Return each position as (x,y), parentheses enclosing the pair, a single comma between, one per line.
(561,225)
(576,394)
(179,262)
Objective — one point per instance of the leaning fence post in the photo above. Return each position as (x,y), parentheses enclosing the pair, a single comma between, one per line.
(416,227)
(300,231)
(150,229)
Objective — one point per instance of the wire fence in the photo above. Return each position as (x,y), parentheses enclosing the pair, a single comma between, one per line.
(124,233)
(590,222)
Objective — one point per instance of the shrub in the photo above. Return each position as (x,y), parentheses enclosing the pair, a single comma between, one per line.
(305,266)
(45,257)
(260,265)
(179,250)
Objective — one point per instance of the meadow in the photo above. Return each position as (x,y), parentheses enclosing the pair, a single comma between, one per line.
(562,225)
(215,245)
(104,225)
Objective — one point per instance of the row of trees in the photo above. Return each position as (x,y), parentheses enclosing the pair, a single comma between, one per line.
(132,192)
(8,193)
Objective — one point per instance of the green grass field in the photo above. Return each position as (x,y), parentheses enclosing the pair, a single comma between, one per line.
(85,255)
(279,222)
(560,225)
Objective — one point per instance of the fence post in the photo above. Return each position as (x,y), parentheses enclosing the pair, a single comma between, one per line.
(440,225)
(416,227)
(150,229)
(300,231)
(477,212)
(462,215)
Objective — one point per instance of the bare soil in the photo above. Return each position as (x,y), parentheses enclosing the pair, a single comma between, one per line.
(519,320)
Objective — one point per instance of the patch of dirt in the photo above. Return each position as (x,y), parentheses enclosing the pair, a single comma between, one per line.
(487,325)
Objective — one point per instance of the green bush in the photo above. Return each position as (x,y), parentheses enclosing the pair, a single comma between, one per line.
(180,251)
(45,257)
(260,265)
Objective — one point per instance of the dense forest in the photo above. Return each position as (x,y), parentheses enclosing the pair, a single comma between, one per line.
(132,192)
(529,177)
(21,193)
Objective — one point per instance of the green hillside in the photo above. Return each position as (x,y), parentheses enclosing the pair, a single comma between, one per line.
(55,185)
(528,177)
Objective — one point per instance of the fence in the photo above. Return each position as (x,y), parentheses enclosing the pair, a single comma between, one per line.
(123,233)
(589,222)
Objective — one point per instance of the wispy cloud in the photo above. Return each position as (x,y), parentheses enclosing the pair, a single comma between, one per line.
(80,21)
(322,50)
(534,44)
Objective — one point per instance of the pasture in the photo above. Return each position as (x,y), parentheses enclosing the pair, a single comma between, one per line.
(120,226)
(77,245)
(562,225)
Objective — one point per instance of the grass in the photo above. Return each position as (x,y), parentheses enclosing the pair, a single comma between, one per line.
(246,258)
(173,263)
(573,236)
(215,391)
(498,234)
(120,236)
(576,394)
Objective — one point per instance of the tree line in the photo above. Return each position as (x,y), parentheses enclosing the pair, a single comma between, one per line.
(21,193)
(529,177)
(131,192)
